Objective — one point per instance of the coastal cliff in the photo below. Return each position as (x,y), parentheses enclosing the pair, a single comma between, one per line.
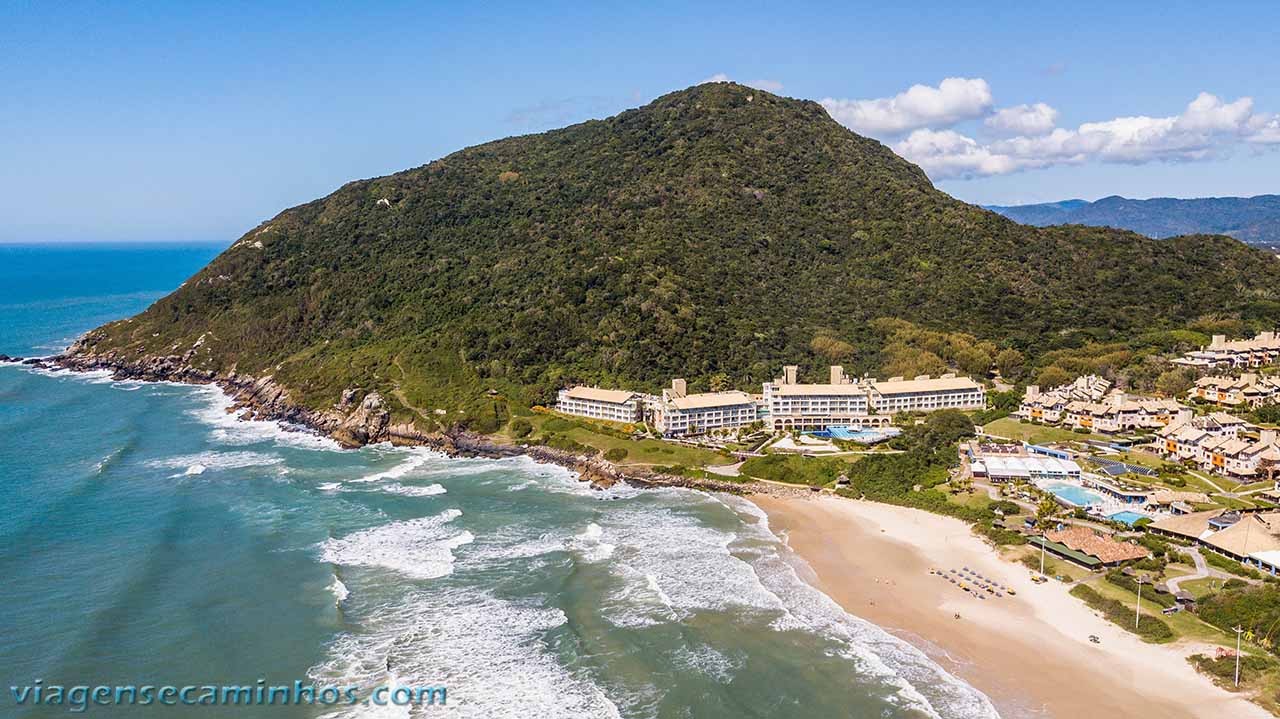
(363,418)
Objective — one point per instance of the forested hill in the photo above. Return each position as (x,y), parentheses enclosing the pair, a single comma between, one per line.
(1254,220)
(718,229)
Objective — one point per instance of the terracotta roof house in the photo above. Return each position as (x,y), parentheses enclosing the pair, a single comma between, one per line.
(1103,550)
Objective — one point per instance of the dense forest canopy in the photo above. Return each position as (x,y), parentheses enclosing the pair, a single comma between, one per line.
(717,231)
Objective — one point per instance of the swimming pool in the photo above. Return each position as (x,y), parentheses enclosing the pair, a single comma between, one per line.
(864,436)
(1078,496)
(1127,517)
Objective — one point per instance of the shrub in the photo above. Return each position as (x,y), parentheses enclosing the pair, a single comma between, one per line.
(617,454)
(1224,668)
(558,424)
(1149,628)
(1126,582)
(521,428)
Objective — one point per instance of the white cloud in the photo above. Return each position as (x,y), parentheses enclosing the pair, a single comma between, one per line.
(947,154)
(718,77)
(1264,130)
(1037,119)
(954,99)
(1208,128)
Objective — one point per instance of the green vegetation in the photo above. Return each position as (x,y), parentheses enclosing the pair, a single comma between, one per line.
(716,233)
(1224,668)
(603,438)
(1034,433)
(794,469)
(1255,608)
(617,454)
(1149,628)
(521,428)
(1149,594)
(1268,414)
(912,478)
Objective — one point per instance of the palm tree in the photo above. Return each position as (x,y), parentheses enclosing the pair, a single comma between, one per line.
(1047,509)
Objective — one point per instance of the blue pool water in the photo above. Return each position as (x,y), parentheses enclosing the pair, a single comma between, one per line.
(865,436)
(1076,495)
(1127,517)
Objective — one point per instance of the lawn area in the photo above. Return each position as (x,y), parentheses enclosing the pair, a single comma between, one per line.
(642,452)
(1201,588)
(1185,625)
(1013,428)
(1143,459)
(977,499)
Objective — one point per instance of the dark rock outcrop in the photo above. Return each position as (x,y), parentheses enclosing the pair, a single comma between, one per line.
(368,422)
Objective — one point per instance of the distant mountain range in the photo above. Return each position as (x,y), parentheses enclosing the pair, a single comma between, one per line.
(1253,220)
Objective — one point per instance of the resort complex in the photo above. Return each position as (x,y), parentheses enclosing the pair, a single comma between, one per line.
(786,404)
(1262,350)
(1090,404)
(1249,390)
(1218,443)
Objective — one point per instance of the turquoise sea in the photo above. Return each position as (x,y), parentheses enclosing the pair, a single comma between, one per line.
(148,537)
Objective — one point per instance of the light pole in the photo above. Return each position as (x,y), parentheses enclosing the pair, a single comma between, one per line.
(1043,539)
(1137,608)
(1239,629)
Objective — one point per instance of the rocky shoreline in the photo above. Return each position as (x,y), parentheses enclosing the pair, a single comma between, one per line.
(359,419)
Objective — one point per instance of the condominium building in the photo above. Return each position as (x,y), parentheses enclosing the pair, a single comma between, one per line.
(1262,350)
(926,394)
(1050,405)
(1247,390)
(1119,412)
(607,404)
(679,413)
(1218,443)
(841,401)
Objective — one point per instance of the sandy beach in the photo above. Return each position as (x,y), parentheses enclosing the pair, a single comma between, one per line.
(1029,653)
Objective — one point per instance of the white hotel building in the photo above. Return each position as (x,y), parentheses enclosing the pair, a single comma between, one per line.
(678,413)
(607,404)
(925,394)
(795,406)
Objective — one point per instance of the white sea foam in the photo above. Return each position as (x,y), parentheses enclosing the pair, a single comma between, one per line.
(330,487)
(706,660)
(591,545)
(404,490)
(227,428)
(416,459)
(340,591)
(193,464)
(419,548)
(491,653)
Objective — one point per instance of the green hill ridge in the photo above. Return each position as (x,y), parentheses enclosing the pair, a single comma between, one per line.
(717,230)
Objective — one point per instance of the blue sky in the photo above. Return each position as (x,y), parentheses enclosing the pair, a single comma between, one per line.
(194,122)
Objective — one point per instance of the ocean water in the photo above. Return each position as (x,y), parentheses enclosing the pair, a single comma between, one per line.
(148,537)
